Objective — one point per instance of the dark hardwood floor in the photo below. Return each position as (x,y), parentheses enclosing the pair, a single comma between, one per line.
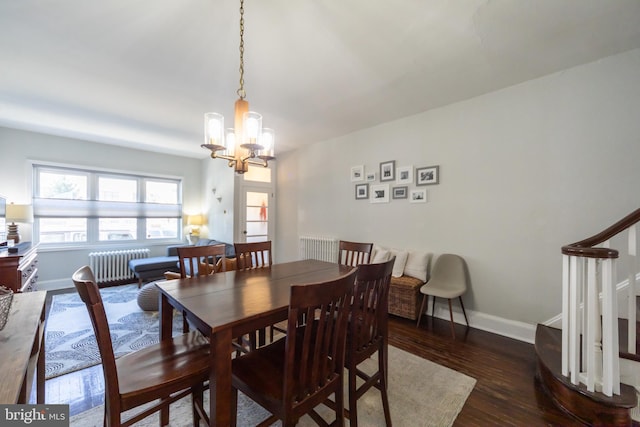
(506,392)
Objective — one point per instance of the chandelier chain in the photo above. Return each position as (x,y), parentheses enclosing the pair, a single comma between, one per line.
(241,92)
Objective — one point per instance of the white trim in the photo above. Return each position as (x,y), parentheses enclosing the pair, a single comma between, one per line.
(497,325)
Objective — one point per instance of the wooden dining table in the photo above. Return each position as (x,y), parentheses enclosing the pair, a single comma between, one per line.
(227,305)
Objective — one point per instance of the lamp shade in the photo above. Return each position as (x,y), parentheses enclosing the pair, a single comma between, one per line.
(19,213)
(195,220)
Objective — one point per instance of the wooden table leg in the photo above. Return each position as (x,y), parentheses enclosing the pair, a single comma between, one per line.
(166,318)
(220,379)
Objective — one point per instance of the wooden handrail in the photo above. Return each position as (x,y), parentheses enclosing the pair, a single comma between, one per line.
(585,248)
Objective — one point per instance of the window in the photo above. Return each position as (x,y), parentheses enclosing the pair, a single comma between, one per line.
(75,205)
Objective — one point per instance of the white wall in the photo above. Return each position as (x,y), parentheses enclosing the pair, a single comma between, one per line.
(524,171)
(18,147)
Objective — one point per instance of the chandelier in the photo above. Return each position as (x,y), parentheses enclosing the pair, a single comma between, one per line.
(248,143)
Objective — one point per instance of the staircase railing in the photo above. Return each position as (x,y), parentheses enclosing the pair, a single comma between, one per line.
(590,341)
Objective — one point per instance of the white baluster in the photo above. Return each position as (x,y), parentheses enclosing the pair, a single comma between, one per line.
(610,361)
(566,309)
(591,337)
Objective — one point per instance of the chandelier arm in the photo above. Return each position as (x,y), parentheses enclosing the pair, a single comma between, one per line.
(257,162)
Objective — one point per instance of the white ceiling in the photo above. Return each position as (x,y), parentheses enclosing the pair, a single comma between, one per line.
(142,73)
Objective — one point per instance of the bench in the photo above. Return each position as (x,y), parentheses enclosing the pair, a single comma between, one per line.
(153,268)
(410,272)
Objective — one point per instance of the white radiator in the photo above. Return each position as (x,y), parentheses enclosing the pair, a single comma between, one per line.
(320,248)
(112,266)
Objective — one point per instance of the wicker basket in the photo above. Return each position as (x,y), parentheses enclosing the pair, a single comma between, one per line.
(6,296)
(404,295)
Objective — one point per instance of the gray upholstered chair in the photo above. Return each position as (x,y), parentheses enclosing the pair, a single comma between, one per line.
(448,280)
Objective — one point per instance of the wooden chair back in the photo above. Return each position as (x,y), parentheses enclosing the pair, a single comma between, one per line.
(314,350)
(253,255)
(201,259)
(85,283)
(354,253)
(368,334)
(158,374)
(293,375)
(369,313)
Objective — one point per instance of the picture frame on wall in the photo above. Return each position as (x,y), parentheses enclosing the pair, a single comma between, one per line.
(379,193)
(400,192)
(388,171)
(370,177)
(404,175)
(362,191)
(357,173)
(428,175)
(418,196)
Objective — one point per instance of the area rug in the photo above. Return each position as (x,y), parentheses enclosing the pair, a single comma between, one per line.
(70,343)
(421,393)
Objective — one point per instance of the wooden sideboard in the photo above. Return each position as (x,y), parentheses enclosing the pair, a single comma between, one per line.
(19,271)
(22,349)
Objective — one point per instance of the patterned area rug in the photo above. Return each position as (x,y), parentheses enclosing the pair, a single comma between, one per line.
(70,343)
(421,394)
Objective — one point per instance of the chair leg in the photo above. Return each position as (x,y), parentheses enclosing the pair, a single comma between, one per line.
(433,307)
(197,403)
(353,398)
(383,388)
(424,302)
(164,415)
(185,323)
(339,394)
(453,329)
(233,407)
(463,312)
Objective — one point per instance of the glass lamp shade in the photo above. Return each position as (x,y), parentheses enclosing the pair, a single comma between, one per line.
(214,131)
(251,130)
(267,141)
(230,138)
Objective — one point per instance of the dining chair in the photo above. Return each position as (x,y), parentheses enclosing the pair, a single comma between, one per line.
(201,260)
(253,255)
(354,253)
(294,374)
(448,280)
(167,371)
(367,335)
(250,256)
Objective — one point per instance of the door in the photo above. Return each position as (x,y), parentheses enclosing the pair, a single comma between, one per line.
(256,214)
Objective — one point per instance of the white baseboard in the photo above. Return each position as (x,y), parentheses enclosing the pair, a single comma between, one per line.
(497,325)
(52,285)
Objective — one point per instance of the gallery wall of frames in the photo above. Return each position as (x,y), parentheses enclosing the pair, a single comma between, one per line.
(391,182)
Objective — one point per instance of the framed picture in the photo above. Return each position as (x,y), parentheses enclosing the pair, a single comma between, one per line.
(418,196)
(379,193)
(357,173)
(428,175)
(388,171)
(370,177)
(399,192)
(404,175)
(362,191)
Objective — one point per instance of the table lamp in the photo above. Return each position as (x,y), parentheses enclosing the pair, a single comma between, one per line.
(195,221)
(17,213)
